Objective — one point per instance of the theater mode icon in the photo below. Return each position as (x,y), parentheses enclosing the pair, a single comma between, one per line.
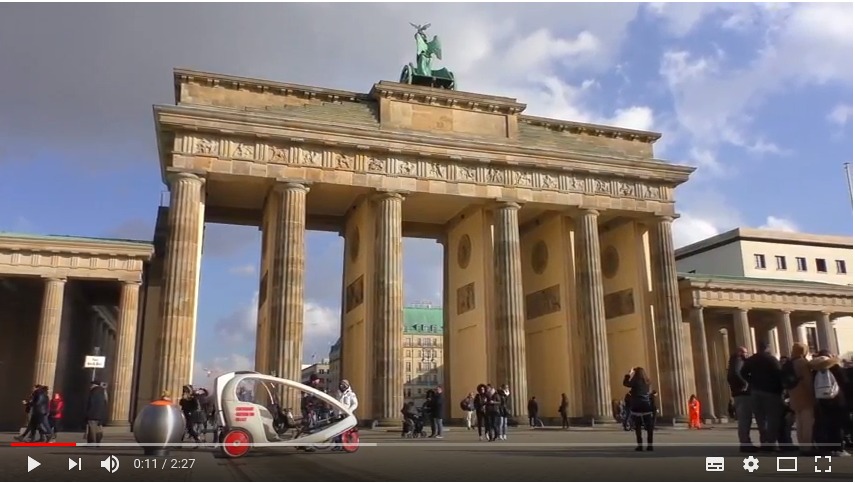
(715,463)
(788,463)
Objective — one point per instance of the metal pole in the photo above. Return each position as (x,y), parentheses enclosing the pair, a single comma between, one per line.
(846,167)
(94,369)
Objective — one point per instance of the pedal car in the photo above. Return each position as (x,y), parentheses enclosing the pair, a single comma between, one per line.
(249,414)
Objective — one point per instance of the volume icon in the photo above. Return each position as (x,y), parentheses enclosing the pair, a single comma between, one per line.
(111,464)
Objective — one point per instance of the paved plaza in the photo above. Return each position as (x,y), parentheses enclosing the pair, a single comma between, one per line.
(581,454)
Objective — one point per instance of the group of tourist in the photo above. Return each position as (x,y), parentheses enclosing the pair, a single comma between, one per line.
(45,414)
(814,394)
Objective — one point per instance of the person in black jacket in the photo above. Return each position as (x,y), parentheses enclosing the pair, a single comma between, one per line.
(739,391)
(96,413)
(39,409)
(765,382)
(437,407)
(493,410)
(532,412)
(479,403)
(641,405)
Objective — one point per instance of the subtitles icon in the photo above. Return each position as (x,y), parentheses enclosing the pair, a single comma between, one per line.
(111,464)
(715,463)
(788,463)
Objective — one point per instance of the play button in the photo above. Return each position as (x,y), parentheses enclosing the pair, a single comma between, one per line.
(32,464)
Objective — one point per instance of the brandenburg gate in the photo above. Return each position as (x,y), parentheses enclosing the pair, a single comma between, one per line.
(559,260)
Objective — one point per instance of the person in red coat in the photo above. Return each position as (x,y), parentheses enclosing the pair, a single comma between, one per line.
(694,413)
(55,416)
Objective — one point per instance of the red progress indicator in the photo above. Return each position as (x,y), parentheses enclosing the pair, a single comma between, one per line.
(43,445)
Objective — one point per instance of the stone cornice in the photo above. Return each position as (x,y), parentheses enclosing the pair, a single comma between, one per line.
(793,287)
(445,98)
(260,126)
(752,294)
(258,85)
(75,246)
(647,137)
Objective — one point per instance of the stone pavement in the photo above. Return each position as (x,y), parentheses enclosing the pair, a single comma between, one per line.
(529,455)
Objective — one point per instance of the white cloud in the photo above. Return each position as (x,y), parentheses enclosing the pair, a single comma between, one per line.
(689,229)
(247,270)
(714,103)
(841,114)
(779,224)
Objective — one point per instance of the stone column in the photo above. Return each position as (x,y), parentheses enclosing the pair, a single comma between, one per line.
(769,339)
(597,394)
(287,272)
(510,305)
(700,353)
(446,328)
(388,323)
(180,272)
(825,333)
(673,380)
(47,345)
(742,330)
(785,333)
(725,387)
(123,367)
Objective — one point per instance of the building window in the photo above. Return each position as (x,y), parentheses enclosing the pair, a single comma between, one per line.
(801,264)
(759,261)
(841,266)
(820,265)
(409,353)
(812,339)
(781,262)
(409,367)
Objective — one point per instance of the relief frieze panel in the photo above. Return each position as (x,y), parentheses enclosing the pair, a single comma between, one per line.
(354,295)
(543,302)
(619,303)
(420,167)
(466,298)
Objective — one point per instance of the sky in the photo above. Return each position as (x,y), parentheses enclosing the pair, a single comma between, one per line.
(757,96)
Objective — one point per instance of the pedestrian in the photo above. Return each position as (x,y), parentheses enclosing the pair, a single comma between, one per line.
(830,392)
(347,398)
(764,375)
(641,405)
(532,412)
(55,413)
(467,405)
(189,408)
(505,410)
(739,392)
(95,413)
(562,410)
(694,412)
(493,412)
(437,409)
(427,411)
(479,402)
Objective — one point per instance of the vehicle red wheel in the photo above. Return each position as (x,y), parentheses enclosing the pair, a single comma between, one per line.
(236,443)
(350,441)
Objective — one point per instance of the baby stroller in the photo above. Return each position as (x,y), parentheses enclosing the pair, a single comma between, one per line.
(414,424)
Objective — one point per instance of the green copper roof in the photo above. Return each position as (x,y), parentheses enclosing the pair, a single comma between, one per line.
(423,320)
(72,238)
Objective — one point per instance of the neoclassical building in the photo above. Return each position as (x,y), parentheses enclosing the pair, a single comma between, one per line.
(559,265)
(557,235)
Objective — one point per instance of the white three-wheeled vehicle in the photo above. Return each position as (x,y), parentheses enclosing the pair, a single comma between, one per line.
(249,414)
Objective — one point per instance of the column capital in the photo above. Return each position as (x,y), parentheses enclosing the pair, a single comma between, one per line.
(588,212)
(506,204)
(176,176)
(55,278)
(786,312)
(283,185)
(387,194)
(740,310)
(131,282)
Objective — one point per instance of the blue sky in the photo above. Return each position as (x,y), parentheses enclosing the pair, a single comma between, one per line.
(759,97)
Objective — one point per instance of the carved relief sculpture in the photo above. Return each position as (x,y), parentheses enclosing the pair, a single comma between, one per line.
(280,154)
(245,151)
(355,294)
(464,251)
(376,165)
(310,157)
(619,304)
(343,161)
(206,146)
(466,298)
(543,302)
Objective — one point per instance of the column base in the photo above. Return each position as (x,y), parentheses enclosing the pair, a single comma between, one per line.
(383,423)
(118,425)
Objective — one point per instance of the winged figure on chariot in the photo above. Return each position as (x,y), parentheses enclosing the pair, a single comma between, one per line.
(422,70)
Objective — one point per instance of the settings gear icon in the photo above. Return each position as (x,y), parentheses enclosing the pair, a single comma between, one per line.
(750,464)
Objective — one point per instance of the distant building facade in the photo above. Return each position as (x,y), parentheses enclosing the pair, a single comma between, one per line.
(322,370)
(422,351)
(335,364)
(784,256)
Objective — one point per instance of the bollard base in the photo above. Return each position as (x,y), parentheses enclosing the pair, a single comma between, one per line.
(151,451)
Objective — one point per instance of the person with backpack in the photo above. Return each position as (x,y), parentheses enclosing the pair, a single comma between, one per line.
(798,382)
(467,405)
(763,373)
(828,389)
(740,395)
